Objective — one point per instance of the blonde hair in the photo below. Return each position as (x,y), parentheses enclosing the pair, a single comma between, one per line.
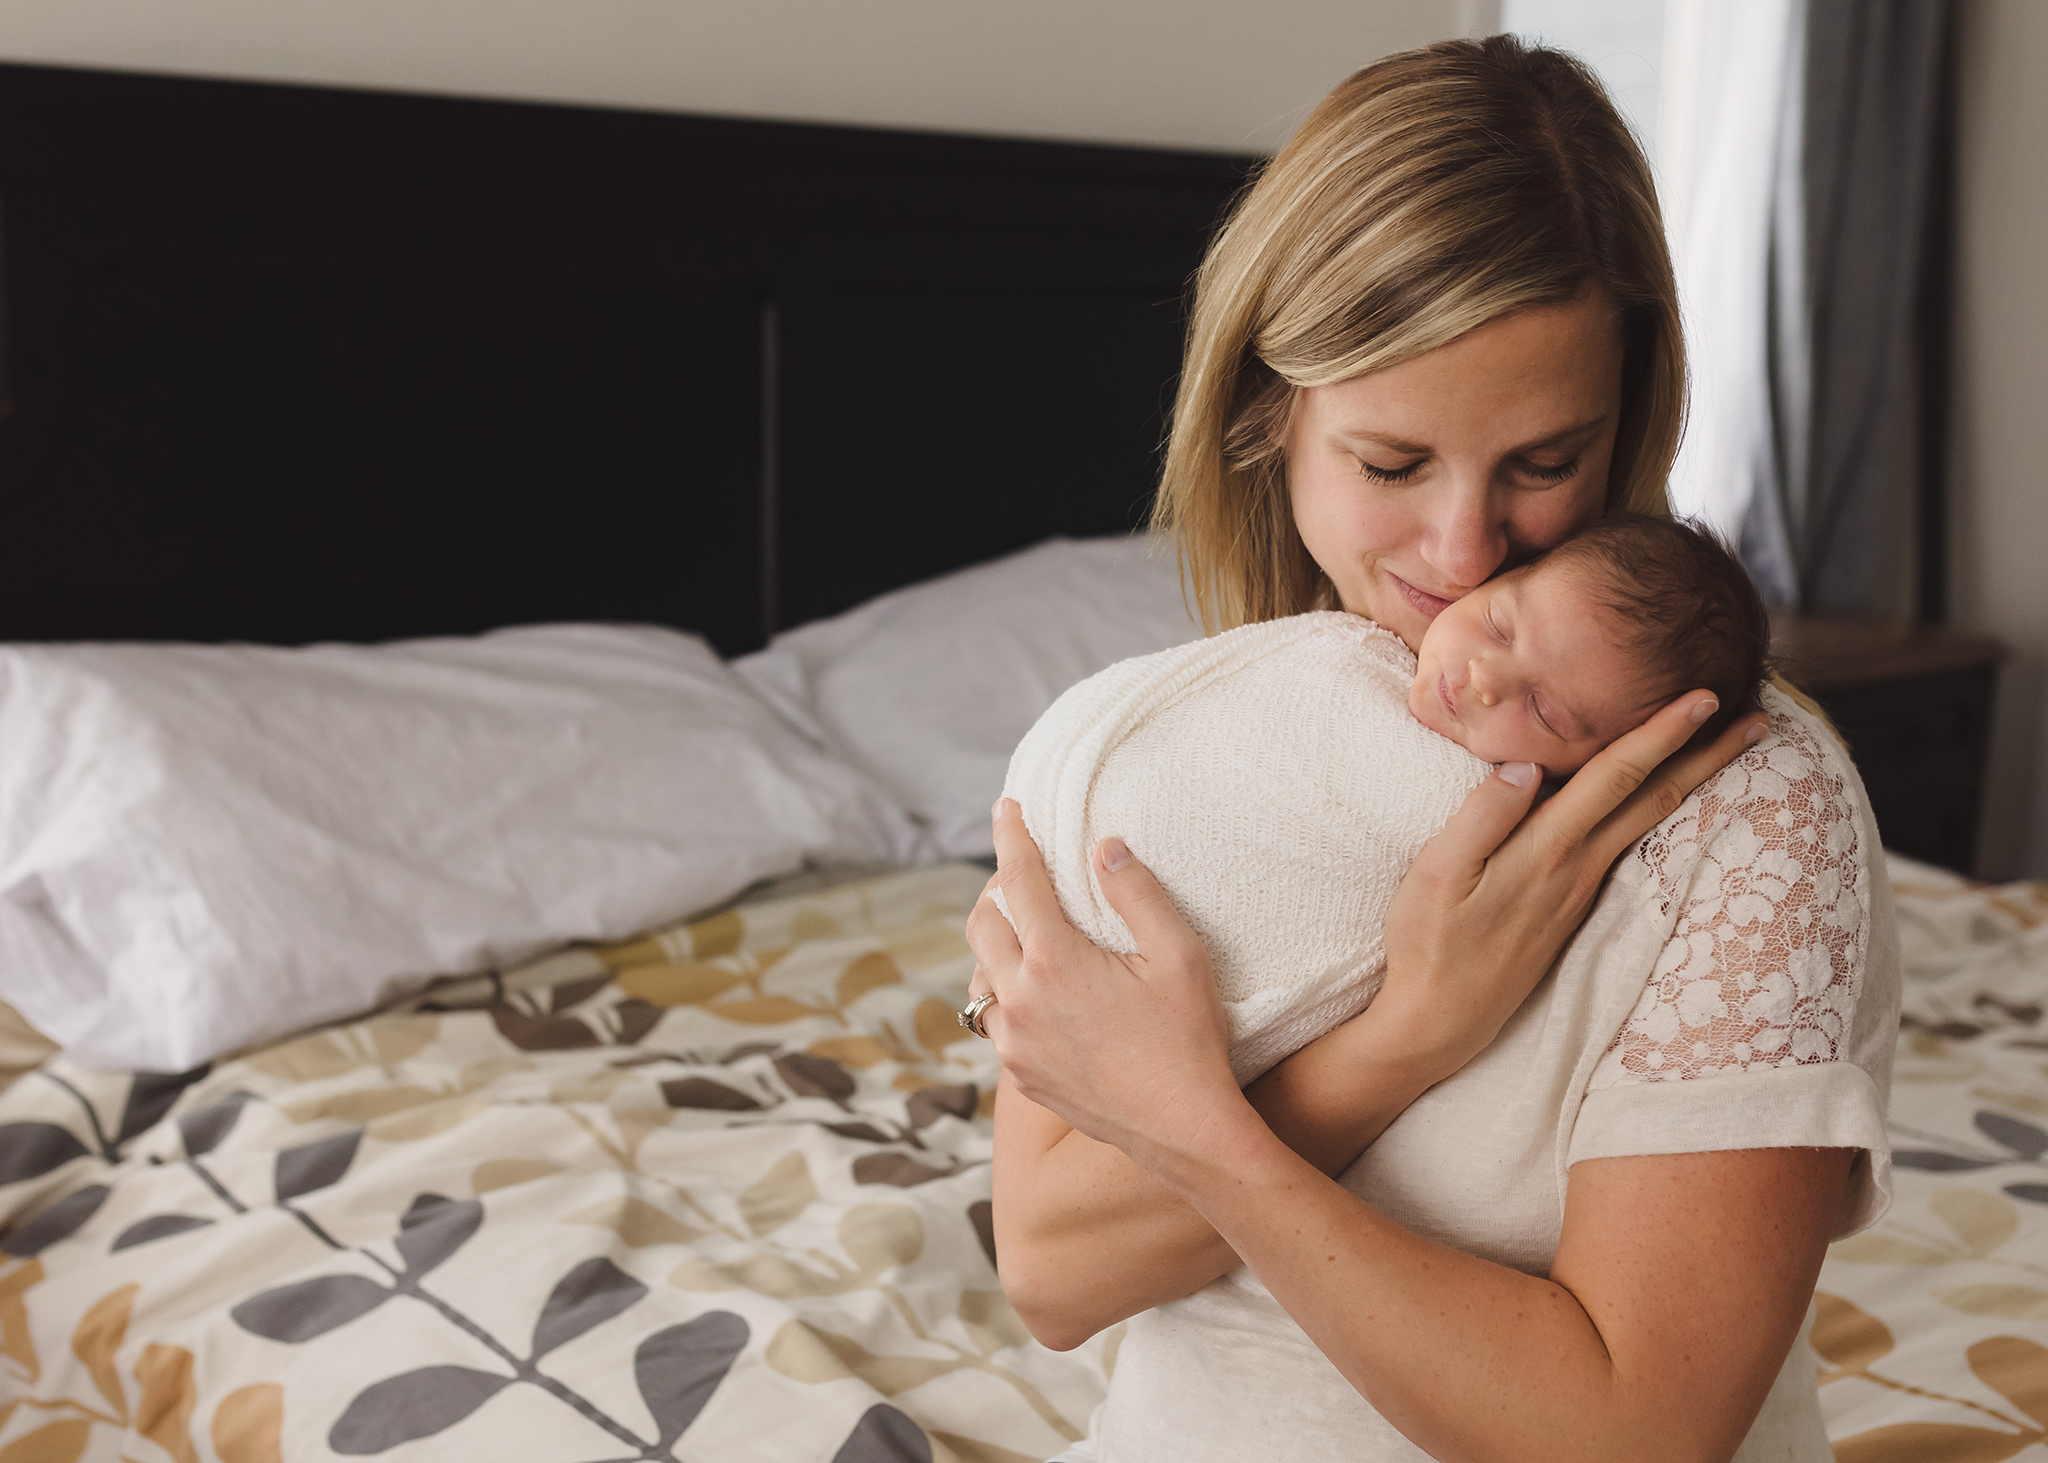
(1430,193)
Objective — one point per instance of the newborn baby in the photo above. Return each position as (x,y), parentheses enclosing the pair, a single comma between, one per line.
(1279,779)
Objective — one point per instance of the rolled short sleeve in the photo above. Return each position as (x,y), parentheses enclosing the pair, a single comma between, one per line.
(1769,1018)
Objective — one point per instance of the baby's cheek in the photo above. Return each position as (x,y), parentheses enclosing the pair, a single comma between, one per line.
(1500,744)
(1564,764)
(1422,705)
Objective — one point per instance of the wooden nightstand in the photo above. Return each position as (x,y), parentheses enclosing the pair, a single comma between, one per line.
(1914,704)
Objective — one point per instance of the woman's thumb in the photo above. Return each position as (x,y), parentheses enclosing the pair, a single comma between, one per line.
(1138,898)
(1488,815)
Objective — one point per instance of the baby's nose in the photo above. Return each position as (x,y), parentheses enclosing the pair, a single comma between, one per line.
(1481,680)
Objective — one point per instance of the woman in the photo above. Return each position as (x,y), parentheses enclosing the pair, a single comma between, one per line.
(1579,1202)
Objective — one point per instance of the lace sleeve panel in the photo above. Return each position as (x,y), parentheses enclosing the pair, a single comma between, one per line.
(1763,881)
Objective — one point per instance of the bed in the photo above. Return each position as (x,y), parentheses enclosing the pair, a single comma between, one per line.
(866,414)
(723,1192)
(289,367)
(1932,1327)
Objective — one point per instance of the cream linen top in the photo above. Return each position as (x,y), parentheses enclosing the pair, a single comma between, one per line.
(1736,986)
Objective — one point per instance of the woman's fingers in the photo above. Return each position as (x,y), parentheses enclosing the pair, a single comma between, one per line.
(992,1019)
(994,943)
(1090,1036)
(1488,906)
(1143,902)
(1672,783)
(1482,823)
(1615,773)
(1020,871)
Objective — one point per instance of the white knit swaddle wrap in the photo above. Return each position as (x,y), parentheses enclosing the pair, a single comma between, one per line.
(1274,782)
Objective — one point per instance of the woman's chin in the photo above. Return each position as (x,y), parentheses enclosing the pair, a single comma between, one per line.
(1375,597)
(1393,614)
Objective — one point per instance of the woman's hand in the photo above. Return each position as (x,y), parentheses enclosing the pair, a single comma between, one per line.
(1120,1046)
(1496,895)
(1083,1235)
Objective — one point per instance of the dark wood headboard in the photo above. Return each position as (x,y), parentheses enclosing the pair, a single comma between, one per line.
(286,363)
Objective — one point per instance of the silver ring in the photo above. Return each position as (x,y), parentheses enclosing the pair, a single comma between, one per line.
(971,1017)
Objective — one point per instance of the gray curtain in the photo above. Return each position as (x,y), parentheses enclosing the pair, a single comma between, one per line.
(1860,178)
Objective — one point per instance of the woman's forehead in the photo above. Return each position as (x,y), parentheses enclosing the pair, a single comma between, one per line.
(1531,376)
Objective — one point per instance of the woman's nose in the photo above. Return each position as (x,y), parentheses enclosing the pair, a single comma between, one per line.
(1468,541)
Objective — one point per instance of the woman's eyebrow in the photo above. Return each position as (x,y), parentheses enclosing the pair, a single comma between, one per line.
(1565,434)
(1380,439)
(1418,449)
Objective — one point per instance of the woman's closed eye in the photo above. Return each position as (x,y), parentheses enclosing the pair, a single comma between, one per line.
(1390,474)
(1561,472)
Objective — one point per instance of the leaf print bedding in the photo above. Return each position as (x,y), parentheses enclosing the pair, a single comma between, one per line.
(721,1192)
(1932,1327)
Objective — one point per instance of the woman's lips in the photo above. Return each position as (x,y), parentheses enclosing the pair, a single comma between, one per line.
(1426,604)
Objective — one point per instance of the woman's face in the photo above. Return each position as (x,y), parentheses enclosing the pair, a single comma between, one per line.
(1414,485)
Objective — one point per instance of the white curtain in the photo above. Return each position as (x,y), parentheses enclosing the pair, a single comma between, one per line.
(1728,158)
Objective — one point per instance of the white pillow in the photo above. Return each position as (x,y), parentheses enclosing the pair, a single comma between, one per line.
(207,846)
(931,688)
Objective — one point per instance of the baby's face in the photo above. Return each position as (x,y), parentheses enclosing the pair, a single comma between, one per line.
(1528,668)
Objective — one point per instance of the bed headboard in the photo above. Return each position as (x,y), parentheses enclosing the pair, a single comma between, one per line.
(285,363)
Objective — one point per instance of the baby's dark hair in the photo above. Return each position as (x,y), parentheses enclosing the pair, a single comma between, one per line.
(1683,601)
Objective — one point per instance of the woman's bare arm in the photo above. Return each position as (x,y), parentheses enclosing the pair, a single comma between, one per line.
(1678,1286)
(1084,1236)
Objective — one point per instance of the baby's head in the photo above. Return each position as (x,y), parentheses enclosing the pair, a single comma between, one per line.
(1552,661)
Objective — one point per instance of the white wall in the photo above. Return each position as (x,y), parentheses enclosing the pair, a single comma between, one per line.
(1211,75)
(2000,560)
